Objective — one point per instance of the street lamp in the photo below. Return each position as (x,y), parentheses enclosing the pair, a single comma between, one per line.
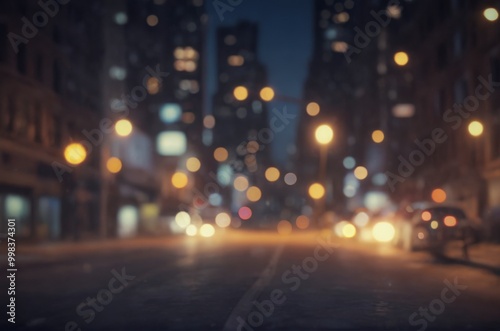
(378,136)
(114,165)
(475,128)
(324,134)
(316,191)
(312,109)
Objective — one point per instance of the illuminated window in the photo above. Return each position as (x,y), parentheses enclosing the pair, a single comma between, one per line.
(235,60)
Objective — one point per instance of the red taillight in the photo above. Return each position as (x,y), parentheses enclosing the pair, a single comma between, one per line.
(450,221)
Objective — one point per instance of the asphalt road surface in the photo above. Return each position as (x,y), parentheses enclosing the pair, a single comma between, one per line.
(242,280)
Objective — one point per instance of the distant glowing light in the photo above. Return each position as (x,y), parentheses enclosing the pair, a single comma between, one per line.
(121,18)
(284,227)
(171,143)
(361,219)
(188,117)
(290,178)
(475,128)
(272,174)
(403,110)
(401,58)
(75,153)
(378,136)
(340,46)
(267,94)
(426,216)
(253,147)
(207,230)
(240,183)
(383,232)
(450,221)
(193,164)
(349,162)
(240,93)
(182,219)
(209,122)
(123,128)
(245,213)
(152,20)
(170,113)
(348,230)
(438,195)
(312,109)
(179,180)
(223,220)
(221,154)
(302,222)
(153,85)
(324,134)
(491,14)
(434,225)
(114,165)
(191,230)
(316,191)
(360,173)
(235,60)
(215,199)
(254,194)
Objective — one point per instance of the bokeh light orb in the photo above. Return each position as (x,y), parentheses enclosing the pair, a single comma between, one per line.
(316,191)
(75,153)
(284,227)
(123,128)
(245,213)
(179,180)
(438,195)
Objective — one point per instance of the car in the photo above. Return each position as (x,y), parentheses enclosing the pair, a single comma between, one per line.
(427,226)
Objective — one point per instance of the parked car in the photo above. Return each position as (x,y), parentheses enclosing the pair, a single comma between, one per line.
(427,226)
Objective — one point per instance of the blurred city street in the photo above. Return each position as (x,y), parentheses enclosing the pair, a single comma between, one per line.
(195,283)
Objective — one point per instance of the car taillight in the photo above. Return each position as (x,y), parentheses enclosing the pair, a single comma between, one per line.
(450,221)
(426,216)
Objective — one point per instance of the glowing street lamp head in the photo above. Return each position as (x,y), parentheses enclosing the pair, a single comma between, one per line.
(75,153)
(114,165)
(240,93)
(179,180)
(324,134)
(378,136)
(123,128)
(312,109)
(267,94)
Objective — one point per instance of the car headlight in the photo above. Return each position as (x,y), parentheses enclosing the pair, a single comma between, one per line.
(383,232)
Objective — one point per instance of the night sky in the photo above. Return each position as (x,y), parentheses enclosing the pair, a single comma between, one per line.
(285,45)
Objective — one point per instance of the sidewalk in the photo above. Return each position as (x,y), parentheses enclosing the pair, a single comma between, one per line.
(487,254)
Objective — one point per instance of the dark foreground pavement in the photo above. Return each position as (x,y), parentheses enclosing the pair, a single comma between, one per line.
(247,281)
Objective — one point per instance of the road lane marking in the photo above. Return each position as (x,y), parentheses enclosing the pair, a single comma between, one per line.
(244,306)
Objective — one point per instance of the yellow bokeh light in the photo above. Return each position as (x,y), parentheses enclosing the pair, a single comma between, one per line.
(401,58)
(223,220)
(316,191)
(312,109)
(476,128)
(348,230)
(221,154)
(191,230)
(434,225)
(123,128)
(284,227)
(324,134)
(378,136)
(75,153)
(254,194)
(267,94)
(438,195)
(193,164)
(179,180)
(114,165)
(491,14)
(272,174)
(360,172)
(240,183)
(240,93)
